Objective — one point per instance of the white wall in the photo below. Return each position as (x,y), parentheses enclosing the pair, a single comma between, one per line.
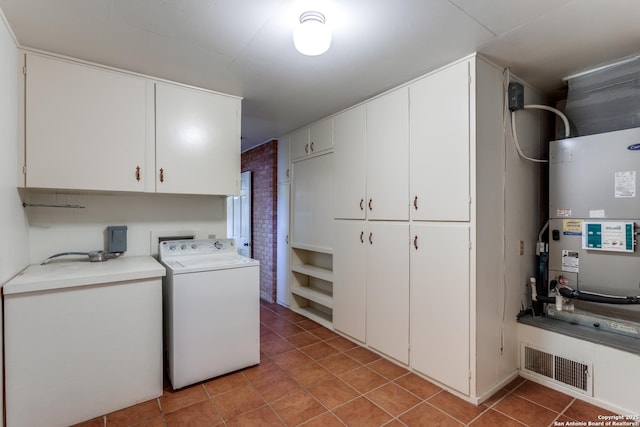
(54,230)
(13,226)
(507,213)
(14,250)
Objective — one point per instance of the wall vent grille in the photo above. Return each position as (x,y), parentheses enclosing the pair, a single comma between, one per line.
(559,369)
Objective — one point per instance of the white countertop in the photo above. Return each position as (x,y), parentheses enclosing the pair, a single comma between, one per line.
(67,274)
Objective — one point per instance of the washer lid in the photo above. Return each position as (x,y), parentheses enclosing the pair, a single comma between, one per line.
(192,264)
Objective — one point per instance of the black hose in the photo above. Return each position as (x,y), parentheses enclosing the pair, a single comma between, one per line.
(567,292)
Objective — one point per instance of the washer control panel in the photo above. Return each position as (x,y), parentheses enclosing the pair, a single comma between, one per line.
(180,248)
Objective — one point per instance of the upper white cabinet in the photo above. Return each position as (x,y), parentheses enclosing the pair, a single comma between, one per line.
(284,173)
(321,136)
(86,127)
(350,163)
(299,144)
(388,156)
(312,141)
(440,135)
(92,128)
(197,141)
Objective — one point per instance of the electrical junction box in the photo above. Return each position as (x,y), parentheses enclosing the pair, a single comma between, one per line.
(516,96)
(116,238)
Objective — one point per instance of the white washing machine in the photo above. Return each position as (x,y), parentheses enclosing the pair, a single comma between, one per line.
(211,309)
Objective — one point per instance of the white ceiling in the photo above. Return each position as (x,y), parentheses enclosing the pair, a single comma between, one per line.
(244,47)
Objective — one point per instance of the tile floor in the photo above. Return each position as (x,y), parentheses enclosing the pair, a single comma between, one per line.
(311,376)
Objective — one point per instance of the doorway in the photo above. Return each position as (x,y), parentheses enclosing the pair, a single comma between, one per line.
(239,216)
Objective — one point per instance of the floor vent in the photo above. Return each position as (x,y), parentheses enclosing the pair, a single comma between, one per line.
(577,375)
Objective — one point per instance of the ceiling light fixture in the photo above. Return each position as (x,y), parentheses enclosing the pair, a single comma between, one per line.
(312,36)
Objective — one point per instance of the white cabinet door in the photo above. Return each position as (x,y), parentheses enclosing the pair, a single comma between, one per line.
(282,245)
(313,140)
(283,160)
(299,144)
(312,203)
(321,136)
(86,127)
(350,163)
(440,318)
(387,279)
(197,141)
(388,156)
(349,289)
(440,133)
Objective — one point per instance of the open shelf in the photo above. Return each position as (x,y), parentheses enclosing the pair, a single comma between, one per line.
(314,294)
(314,271)
(311,284)
(318,316)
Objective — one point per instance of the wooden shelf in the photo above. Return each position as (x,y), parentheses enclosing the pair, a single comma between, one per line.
(314,294)
(312,248)
(314,271)
(316,315)
(311,284)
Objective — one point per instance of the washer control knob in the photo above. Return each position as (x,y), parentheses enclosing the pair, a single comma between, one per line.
(194,246)
(183,246)
(172,247)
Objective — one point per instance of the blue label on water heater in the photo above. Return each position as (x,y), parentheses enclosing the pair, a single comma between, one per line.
(634,147)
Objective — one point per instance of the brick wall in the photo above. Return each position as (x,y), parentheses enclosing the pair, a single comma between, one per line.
(262,161)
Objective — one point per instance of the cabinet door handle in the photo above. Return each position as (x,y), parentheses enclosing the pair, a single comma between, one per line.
(161,175)
(415,242)
(306,148)
(361,204)
(371,238)
(286,239)
(312,146)
(138,176)
(370,207)
(287,173)
(362,237)
(415,202)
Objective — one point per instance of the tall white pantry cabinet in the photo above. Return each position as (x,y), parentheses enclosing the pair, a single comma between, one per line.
(421,281)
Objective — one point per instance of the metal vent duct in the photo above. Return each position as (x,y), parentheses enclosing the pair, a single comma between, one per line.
(606,99)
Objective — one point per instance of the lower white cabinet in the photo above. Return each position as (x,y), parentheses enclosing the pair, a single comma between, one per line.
(371,284)
(282,255)
(349,283)
(387,277)
(81,340)
(440,312)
